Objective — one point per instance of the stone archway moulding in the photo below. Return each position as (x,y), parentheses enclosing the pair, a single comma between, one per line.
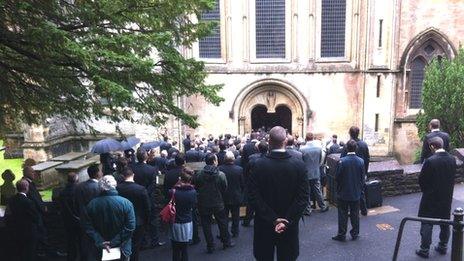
(270,93)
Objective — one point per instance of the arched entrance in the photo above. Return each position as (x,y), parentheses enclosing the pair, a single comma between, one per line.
(269,103)
(262,120)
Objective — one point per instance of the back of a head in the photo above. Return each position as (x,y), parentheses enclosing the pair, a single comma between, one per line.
(309,136)
(73,177)
(142,155)
(188,135)
(166,138)
(22,186)
(93,171)
(28,172)
(179,159)
(253,136)
(434,124)
(121,163)
(354,132)
(107,183)
(186,175)
(290,140)
(127,172)
(263,147)
(229,157)
(436,143)
(351,146)
(210,158)
(277,138)
(334,137)
(222,145)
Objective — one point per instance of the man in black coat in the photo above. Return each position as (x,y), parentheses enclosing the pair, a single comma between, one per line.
(29,175)
(350,182)
(435,131)
(436,181)
(138,196)
(362,151)
(83,194)
(172,176)
(279,192)
(70,214)
(263,148)
(291,148)
(23,220)
(249,149)
(233,196)
(187,142)
(145,175)
(222,152)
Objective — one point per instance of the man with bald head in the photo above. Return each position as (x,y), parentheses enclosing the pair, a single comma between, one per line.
(279,191)
(435,131)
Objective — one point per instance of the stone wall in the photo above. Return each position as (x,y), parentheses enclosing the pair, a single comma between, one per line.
(399,179)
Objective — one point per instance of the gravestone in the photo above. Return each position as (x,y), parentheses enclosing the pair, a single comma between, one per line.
(47,175)
(7,190)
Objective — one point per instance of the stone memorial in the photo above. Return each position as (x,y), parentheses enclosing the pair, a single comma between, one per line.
(47,175)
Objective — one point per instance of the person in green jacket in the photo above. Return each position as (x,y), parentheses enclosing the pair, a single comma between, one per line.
(211,184)
(109,220)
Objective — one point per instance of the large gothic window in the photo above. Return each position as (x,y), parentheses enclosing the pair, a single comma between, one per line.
(270,28)
(210,46)
(422,56)
(333,23)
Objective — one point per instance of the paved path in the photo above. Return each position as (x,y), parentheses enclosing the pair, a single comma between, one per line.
(377,237)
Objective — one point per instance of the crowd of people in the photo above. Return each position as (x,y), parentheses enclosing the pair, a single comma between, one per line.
(278,177)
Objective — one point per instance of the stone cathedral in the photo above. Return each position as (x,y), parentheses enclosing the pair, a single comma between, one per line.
(308,65)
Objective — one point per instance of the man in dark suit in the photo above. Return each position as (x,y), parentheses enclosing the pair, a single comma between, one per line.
(145,175)
(138,196)
(70,216)
(263,148)
(249,149)
(187,142)
(362,151)
(279,192)
(160,162)
(172,176)
(435,131)
(29,175)
(291,149)
(23,220)
(222,152)
(83,194)
(233,196)
(350,181)
(436,181)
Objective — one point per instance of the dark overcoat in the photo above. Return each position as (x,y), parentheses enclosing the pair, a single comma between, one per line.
(278,187)
(436,181)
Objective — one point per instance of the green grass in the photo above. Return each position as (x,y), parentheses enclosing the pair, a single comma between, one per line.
(15,166)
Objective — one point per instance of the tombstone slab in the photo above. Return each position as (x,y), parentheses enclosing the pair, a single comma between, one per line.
(47,175)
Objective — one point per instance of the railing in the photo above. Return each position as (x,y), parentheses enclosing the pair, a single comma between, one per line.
(457,238)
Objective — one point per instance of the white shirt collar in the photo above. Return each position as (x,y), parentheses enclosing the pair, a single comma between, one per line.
(22,193)
(94,180)
(434,130)
(278,150)
(440,150)
(351,153)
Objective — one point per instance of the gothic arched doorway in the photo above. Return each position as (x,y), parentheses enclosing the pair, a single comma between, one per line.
(262,119)
(269,105)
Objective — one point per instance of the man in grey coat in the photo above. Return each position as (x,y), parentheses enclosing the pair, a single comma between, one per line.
(312,157)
